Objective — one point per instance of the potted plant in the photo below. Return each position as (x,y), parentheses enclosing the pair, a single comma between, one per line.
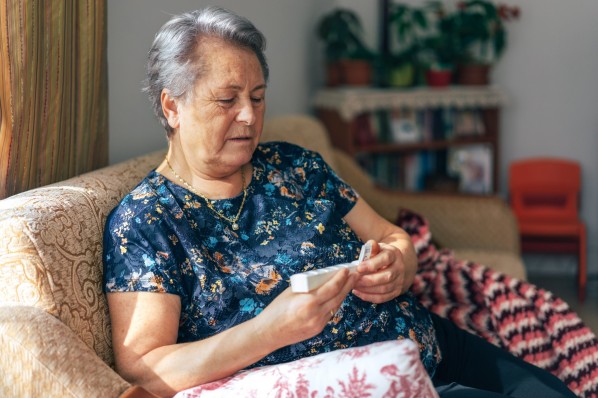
(348,60)
(406,24)
(439,49)
(482,37)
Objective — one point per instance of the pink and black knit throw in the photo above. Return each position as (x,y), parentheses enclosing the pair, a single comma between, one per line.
(515,315)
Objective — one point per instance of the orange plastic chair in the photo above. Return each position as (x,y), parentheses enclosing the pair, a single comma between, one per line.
(545,196)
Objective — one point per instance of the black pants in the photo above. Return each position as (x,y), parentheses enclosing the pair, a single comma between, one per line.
(472,367)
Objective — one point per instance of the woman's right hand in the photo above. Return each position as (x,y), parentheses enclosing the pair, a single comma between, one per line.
(294,317)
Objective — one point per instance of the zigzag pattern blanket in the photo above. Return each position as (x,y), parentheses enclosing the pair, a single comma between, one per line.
(528,321)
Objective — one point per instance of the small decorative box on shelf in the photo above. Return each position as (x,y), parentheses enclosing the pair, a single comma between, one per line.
(421,138)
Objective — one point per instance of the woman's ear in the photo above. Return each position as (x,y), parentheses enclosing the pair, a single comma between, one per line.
(170,108)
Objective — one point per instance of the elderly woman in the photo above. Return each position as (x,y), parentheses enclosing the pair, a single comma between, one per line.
(199,255)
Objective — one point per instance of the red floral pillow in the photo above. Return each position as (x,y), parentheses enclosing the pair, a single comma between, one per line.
(386,369)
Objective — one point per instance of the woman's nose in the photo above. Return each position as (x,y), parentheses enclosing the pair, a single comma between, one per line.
(246,114)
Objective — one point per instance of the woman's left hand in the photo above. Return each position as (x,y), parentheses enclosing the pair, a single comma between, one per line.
(382,277)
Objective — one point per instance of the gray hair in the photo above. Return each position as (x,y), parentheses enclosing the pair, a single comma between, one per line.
(173,62)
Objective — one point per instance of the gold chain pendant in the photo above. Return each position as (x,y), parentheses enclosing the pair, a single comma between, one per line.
(232,221)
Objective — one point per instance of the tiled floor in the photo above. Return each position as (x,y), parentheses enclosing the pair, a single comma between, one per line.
(565,287)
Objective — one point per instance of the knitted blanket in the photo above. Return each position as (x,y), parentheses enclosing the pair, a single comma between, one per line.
(517,316)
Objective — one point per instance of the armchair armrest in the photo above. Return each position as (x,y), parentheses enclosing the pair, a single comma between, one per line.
(456,221)
(42,357)
(472,222)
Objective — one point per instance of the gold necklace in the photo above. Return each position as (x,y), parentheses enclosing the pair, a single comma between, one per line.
(209,203)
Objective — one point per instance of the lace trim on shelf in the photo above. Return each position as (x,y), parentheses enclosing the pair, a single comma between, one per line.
(349,102)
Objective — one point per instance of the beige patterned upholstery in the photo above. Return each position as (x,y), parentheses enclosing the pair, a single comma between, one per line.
(42,357)
(55,336)
(50,260)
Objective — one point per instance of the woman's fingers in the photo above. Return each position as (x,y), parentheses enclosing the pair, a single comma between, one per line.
(381,277)
(333,293)
(336,287)
(385,278)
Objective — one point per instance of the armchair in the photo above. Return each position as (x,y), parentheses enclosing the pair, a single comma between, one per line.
(55,333)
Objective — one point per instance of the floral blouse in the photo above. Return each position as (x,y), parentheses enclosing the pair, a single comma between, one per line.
(163,238)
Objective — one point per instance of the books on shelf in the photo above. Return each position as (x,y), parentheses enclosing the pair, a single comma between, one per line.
(398,171)
(455,164)
(467,169)
(404,126)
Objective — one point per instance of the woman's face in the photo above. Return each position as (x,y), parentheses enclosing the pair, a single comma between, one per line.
(218,126)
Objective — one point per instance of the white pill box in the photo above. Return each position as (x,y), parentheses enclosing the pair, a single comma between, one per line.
(310,280)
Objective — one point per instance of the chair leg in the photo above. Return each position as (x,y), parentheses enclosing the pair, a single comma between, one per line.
(581,267)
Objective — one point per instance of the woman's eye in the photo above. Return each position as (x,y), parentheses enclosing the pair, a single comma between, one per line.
(257,100)
(226,100)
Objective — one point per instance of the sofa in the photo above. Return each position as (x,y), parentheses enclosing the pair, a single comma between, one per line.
(55,338)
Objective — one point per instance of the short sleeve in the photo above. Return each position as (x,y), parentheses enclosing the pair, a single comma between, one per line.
(337,190)
(330,185)
(138,252)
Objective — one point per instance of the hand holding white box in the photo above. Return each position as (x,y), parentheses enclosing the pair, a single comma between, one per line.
(307,281)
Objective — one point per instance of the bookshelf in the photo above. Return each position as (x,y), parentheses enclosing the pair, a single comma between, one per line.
(421,138)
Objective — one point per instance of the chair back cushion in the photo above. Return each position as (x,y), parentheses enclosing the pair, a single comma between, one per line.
(51,247)
(302,130)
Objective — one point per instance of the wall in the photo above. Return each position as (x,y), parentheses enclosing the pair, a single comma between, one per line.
(550,75)
(548,72)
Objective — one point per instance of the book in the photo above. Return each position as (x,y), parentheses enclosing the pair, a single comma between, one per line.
(404,126)
(383,128)
(437,125)
(473,165)
(364,135)
(468,122)
(448,120)
(413,172)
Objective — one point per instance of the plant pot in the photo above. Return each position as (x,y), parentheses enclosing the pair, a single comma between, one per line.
(402,76)
(355,72)
(334,74)
(439,77)
(473,74)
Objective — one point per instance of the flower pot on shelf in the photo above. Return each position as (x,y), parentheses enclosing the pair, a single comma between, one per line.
(348,58)
(481,37)
(348,72)
(402,76)
(334,74)
(439,77)
(356,72)
(473,74)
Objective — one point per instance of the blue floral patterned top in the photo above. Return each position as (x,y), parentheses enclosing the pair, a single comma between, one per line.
(163,238)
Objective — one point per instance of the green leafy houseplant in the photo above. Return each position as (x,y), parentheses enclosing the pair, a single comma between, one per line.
(481,33)
(345,51)
(406,24)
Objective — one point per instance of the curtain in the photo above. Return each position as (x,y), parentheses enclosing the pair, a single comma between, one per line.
(53,91)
